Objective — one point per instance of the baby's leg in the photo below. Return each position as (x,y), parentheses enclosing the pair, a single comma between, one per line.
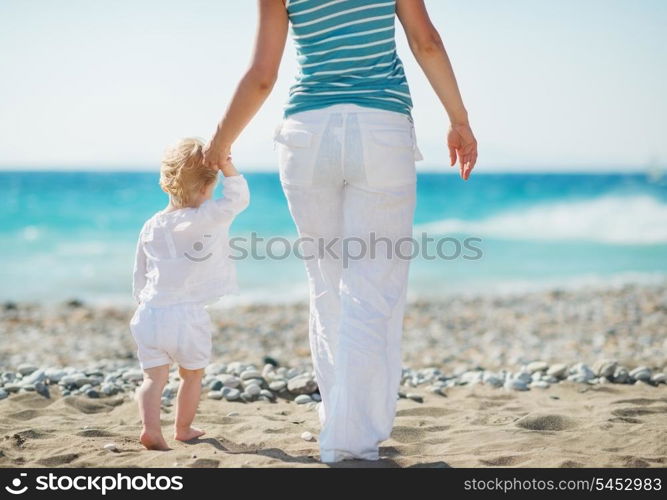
(188,399)
(149,397)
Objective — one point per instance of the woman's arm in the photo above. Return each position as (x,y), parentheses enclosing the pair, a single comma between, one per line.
(430,53)
(256,84)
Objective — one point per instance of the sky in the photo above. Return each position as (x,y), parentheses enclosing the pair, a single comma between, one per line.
(565,85)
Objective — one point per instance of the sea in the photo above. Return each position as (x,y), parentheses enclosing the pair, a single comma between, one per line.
(68,235)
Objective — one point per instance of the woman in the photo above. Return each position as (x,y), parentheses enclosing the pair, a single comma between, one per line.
(347,153)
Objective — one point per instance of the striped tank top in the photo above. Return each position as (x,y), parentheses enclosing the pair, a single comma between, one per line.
(347,54)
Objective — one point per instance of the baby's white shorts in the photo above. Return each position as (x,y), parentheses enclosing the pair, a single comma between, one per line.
(178,333)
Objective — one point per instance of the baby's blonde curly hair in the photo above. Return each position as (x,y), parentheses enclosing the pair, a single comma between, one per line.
(183,173)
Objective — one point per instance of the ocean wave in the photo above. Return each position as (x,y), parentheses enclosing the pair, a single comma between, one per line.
(611,219)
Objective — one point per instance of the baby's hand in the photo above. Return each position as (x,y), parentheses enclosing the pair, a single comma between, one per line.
(227,168)
(216,155)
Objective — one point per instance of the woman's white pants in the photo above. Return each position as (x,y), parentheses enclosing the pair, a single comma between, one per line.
(348,173)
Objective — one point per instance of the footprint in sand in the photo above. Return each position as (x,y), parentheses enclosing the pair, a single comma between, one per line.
(90,407)
(546,423)
(95,433)
(494,419)
(640,401)
(25,414)
(570,464)
(424,411)
(56,460)
(625,420)
(504,461)
(638,412)
(205,463)
(407,434)
(34,434)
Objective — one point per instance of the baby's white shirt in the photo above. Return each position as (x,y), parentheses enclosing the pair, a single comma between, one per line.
(184,255)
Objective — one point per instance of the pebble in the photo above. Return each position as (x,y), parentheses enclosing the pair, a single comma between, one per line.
(92,393)
(278,385)
(270,361)
(267,371)
(492,379)
(307,436)
(536,366)
(641,373)
(303,399)
(216,395)
(230,381)
(253,390)
(215,369)
(233,395)
(54,374)
(35,377)
(516,384)
(581,373)
(658,378)
(605,367)
(248,374)
(267,394)
(469,378)
(215,385)
(42,389)
(111,447)
(558,370)
(233,414)
(3,393)
(302,384)
(415,397)
(621,375)
(541,384)
(171,389)
(110,389)
(26,369)
(133,376)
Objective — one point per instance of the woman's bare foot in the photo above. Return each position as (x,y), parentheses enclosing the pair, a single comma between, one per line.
(153,441)
(188,434)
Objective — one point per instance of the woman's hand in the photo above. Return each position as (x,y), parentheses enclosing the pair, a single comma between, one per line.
(462,145)
(216,155)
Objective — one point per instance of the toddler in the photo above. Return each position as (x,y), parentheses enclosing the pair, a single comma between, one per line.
(182,264)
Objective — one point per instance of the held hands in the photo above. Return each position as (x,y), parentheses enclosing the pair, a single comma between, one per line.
(462,145)
(218,156)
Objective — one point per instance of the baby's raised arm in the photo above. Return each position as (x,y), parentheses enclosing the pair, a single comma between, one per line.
(139,272)
(236,196)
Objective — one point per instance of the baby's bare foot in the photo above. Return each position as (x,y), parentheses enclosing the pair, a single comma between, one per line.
(153,441)
(188,434)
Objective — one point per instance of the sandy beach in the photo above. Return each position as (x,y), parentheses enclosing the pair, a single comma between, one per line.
(564,426)
(541,379)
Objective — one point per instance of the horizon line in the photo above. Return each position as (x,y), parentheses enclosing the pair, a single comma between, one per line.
(431,169)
